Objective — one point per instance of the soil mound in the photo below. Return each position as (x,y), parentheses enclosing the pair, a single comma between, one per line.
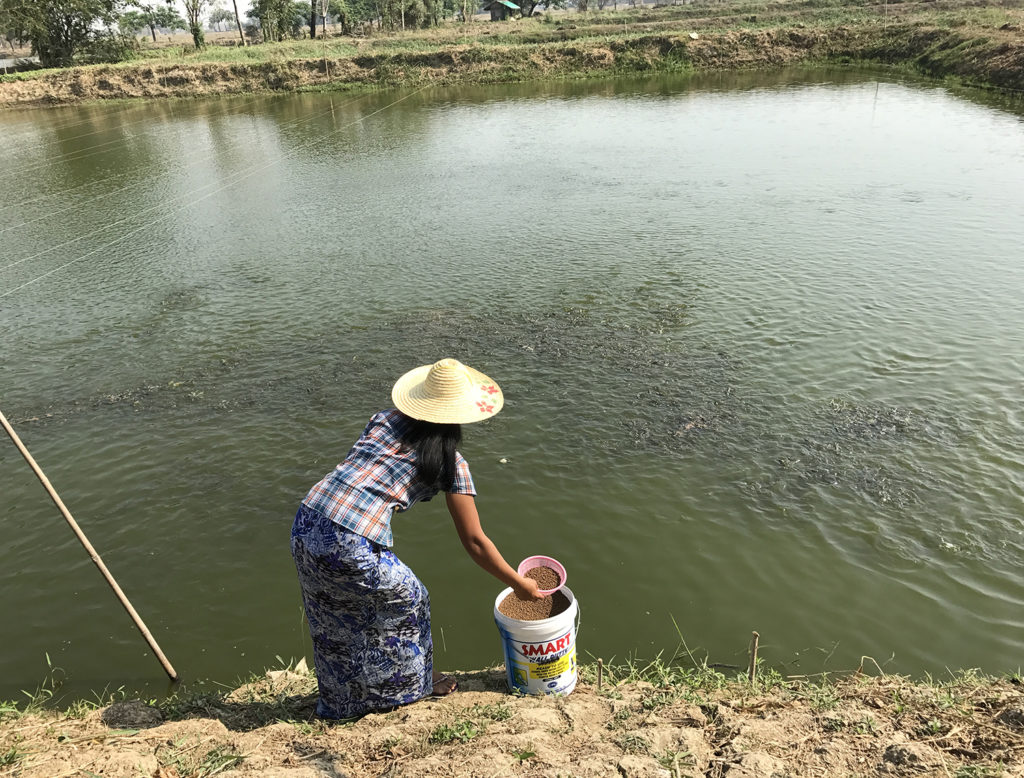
(691,724)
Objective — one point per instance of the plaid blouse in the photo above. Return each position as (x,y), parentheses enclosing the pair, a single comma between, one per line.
(377,479)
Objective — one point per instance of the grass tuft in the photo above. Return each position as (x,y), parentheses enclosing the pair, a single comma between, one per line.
(525,754)
(11,757)
(632,743)
(468,723)
(460,730)
(187,760)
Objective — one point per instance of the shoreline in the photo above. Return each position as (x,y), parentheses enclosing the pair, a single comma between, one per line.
(533,50)
(657,720)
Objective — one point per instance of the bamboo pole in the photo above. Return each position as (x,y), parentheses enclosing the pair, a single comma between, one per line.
(752,669)
(95,557)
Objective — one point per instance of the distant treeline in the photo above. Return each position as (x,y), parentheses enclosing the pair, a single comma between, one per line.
(66,32)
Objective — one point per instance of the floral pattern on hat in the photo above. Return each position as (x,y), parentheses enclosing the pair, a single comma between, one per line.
(446,392)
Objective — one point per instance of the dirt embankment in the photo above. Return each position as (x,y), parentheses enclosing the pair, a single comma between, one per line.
(858,727)
(996,59)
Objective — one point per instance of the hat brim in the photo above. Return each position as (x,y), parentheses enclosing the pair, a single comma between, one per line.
(483,399)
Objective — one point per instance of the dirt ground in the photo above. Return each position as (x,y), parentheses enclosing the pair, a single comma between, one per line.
(880,726)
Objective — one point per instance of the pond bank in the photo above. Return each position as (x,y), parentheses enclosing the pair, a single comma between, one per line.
(655,721)
(989,57)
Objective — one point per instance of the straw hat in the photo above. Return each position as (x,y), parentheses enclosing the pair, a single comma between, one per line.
(447,392)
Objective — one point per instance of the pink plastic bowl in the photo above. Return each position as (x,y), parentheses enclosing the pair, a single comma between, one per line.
(543,561)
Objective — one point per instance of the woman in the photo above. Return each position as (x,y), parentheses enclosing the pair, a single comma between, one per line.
(368,613)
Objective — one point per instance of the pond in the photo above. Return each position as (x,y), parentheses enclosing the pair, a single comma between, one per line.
(760,338)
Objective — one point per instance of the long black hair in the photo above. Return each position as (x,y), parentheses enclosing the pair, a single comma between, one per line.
(435,446)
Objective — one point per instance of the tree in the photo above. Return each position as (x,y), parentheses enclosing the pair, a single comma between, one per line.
(528,6)
(338,10)
(438,10)
(295,18)
(261,12)
(194,12)
(133,21)
(279,18)
(321,9)
(361,11)
(162,17)
(219,19)
(238,21)
(12,25)
(59,28)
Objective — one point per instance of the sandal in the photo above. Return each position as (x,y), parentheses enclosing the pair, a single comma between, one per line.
(444,680)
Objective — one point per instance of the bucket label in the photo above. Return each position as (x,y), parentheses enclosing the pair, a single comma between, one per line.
(547,666)
(542,672)
(522,673)
(549,650)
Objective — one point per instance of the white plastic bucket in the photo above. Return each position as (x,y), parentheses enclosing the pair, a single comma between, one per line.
(540,656)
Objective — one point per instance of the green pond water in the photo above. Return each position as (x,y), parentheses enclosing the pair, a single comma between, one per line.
(761,339)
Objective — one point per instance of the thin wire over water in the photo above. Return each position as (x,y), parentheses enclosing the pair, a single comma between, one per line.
(174,212)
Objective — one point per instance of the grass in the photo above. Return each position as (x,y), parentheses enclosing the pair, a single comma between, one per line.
(672,760)
(633,743)
(388,745)
(965,711)
(682,677)
(688,678)
(46,697)
(979,771)
(957,710)
(468,723)
(866,726)
(286,694)
(460,730)
(525,754)
(822,696)
(659,699)
(189,760)
(11,757)
(620,717)
(495,712)
(9,709)
(308,728)
(572,44)
(833,725)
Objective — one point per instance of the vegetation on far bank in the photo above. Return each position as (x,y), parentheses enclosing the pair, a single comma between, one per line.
(656,719)
(977,44)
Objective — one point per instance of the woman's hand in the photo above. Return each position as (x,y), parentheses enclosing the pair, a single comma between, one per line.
(482,550)
(528,589)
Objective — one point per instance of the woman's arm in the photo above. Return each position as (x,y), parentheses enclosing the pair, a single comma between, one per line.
(467,522)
